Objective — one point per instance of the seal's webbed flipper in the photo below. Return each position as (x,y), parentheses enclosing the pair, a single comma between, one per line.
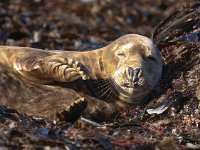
(51,68)
(72,112)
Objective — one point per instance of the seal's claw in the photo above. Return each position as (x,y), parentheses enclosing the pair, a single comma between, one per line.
(73,111)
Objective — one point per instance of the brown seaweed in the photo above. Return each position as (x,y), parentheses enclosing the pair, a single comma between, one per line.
(80,25)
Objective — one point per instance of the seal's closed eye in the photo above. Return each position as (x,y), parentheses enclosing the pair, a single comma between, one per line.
(121,54)
(151,58)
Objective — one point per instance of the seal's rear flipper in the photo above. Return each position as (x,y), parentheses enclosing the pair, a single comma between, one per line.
(51,68)
(72,112)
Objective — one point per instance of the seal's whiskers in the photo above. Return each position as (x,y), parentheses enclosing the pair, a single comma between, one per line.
(104,89)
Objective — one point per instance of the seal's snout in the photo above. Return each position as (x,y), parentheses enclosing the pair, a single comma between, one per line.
(133,75)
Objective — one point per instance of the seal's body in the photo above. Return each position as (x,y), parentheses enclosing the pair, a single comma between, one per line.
(98,82)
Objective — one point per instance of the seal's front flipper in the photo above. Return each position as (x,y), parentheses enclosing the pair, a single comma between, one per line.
(73,111)
(51,68)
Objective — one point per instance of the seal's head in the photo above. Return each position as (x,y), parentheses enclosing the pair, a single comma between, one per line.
(135,68)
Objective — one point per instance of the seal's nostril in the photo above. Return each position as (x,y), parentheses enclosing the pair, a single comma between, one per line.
(133,74)
(137,71)
(130,71)
(140,73)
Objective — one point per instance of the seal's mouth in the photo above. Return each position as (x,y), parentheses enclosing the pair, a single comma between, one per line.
(131,92)
(131,85)
(134,83)
(135,86)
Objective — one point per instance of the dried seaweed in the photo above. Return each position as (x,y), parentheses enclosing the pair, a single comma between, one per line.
(80,25)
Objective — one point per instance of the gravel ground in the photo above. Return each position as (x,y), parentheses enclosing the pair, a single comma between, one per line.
(89,24)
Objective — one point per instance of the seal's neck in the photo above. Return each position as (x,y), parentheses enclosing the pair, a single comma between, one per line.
(100,82)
